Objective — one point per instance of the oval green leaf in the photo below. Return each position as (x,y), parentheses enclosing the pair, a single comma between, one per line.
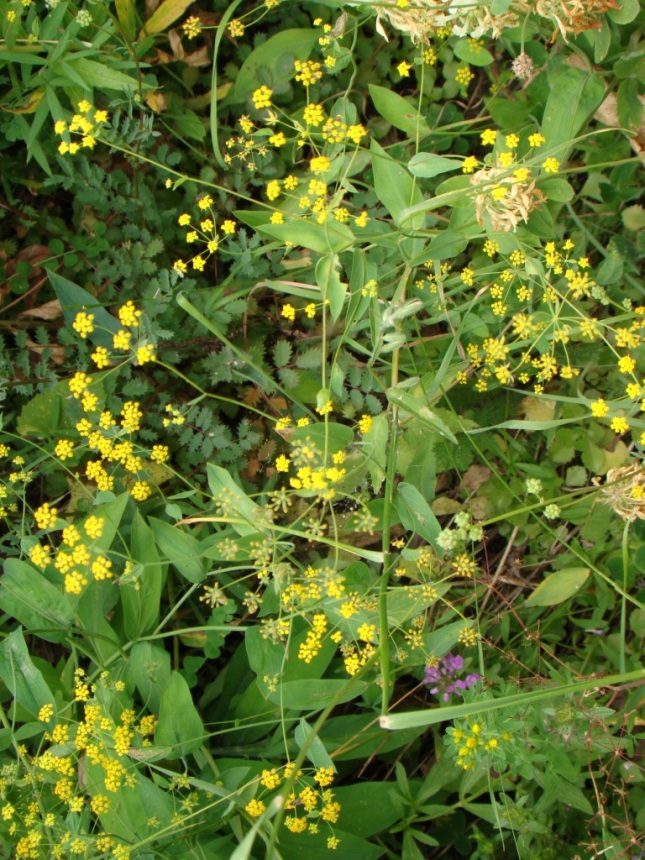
(558,587)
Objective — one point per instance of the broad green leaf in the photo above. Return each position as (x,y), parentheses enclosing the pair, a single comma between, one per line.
(557,189)
(179,548)
(270,57)
(313,694)
(406,401)
(127,14)
(330,237)
(627,11)
(333,290)
(100,75)
(330,437)
(74,299)
(427,164)
(129,812)
(572,100)
(150,667)
(165,15)
(179,726)
(558,587)
(470,51)
(245,516)
(397,111)
(141,599)
(32,600)
(23,680)
(316,752)
(42,414)
(416,515)
(394,186)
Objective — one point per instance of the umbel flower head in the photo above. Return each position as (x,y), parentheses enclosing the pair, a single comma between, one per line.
(502,199)
(420,18)
(441,677)
(624,491)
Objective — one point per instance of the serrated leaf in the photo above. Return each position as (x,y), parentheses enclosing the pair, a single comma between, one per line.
(558,587)
(282,353)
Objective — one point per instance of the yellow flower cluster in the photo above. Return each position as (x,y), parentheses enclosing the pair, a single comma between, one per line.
(82,131)
(203,232)
(475,742)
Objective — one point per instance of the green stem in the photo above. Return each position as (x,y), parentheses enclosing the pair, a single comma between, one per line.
(623,602)
(384,633)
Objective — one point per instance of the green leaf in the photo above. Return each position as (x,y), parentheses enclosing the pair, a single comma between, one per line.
(394,186)
(331,437)
(558,587)
(141,600)
(245,516)
(38,605)
(332,288)
(572,100)
(399,112)
(74,299)
(557,189)
(269,57)
(282,350)
(180,549)
(23,680)
(627,12)
(99,75)
(314,694)
(165,15)
(427,164)
(127,14)
(179,726)
(629,105)
(416,515)
(316,752)
(406,401)
(41,415)
(326,238)
(470,51)
(150,667)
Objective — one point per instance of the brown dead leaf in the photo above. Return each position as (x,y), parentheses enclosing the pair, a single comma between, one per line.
(475,476)
(49,311)
(56,351)
(156,101)
(537,409)
(198,58)
(175,44)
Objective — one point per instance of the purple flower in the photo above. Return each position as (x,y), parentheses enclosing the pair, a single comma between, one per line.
(441,678)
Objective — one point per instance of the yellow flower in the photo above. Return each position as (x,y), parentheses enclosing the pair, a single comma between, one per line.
(289,312)
(469,164)
(262,97)
(619,425)
(404,69)
(365,424)
(192,27)
(236,28)
(599,408)
(489,137)
(551,165)
(282,463)
(83,323)
(255,808)
(536,140)
(228,227)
